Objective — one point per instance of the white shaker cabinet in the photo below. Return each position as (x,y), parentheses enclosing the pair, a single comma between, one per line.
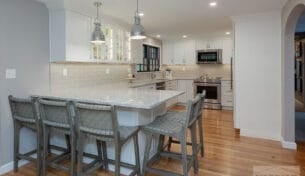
(171,85)
(226,95)
(168,53)
(188,87)
(147,87)
(227,51)
(179,52)
(70,35)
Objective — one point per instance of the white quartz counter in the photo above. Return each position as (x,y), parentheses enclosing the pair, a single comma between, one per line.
(115,94)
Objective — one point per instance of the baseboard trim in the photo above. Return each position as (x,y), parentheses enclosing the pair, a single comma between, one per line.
(10,166)
(289,145)
(260,135)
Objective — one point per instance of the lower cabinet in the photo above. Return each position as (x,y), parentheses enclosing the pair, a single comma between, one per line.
(171,85)
(226,95)
(148,87)
(188,87)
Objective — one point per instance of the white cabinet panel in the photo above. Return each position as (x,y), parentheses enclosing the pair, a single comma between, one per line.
(188,87)
(78,34)
(226,94)
(227,51)
(168,53)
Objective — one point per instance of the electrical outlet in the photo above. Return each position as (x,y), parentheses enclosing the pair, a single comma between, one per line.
(65,72)
(107,71)
(10,73)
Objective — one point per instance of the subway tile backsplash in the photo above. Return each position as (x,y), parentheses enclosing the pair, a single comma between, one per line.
(86,74)
(78,75)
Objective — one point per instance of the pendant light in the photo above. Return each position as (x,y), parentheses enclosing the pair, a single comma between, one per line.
(98,36)
(137,30)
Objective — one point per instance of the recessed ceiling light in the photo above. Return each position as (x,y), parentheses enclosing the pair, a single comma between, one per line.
(213,4)
(184,36)
(228,33)
(141,14)
(158,36)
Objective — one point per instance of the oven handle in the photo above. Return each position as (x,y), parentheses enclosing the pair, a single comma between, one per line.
(207,84)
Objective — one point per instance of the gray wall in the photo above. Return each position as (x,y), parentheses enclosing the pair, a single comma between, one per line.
(24,45)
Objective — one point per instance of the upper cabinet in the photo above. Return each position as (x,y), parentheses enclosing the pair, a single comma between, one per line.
(179,52)
(70,35)
(184,51)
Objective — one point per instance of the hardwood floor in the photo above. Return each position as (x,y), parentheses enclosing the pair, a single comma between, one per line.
(226,153)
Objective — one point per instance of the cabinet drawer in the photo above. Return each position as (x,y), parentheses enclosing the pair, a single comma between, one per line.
(227,103)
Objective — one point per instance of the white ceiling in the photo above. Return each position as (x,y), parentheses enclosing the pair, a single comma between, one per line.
(174,18)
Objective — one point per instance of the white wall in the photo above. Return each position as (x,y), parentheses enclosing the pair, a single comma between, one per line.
(24,45)
(258,75)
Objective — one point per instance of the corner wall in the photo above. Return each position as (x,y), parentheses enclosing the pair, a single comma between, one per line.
(24,45)
(290,14)
(258,75)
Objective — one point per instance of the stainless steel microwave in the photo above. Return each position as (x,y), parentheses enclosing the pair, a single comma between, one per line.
(210,56)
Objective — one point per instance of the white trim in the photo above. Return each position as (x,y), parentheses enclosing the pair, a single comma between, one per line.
(260,135)
(289,145)
(10,166)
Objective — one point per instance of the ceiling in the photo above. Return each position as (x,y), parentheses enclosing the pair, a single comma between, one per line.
(174,18)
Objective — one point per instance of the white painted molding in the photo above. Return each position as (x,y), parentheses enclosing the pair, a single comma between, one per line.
(10,166)
(259,135)
(289,145)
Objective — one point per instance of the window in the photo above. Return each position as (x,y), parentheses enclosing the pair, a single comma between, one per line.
(151,59)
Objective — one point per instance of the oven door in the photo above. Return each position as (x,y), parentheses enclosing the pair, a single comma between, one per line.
(213,94)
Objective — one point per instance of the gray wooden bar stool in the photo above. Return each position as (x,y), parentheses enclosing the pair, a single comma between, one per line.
(24,116)
(100,122)
(56,116)
(179,115)
(167,125)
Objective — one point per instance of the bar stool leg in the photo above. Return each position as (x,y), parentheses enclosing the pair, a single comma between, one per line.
(73,155)
(136,149)
(39,153)
(105,157)
(146,153)
(16,145)
(170,139)
(160,144)
(184,155)
(80,153)
(45,150)
(194,148)
(99,150)
(201,136)
(117,159)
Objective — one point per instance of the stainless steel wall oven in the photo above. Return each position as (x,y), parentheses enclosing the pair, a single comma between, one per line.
(213,92)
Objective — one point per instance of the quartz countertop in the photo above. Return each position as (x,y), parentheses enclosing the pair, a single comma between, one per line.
(111,94)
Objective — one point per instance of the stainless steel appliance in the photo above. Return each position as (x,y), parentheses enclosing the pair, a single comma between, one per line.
(213,91)
(210,56)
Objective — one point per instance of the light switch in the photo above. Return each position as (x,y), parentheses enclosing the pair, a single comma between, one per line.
(65,72)
(10,73)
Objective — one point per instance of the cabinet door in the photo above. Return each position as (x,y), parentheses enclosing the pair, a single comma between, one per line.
(179,52)
(78,35)
(227,51)
(187,86)
(189,52)
(136,51)
(168,53)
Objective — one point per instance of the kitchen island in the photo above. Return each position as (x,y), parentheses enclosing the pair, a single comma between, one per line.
(135,107)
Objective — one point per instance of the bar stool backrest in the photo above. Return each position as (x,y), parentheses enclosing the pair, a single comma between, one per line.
(193,109)
(22,109)
(97,119)
(55,113)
